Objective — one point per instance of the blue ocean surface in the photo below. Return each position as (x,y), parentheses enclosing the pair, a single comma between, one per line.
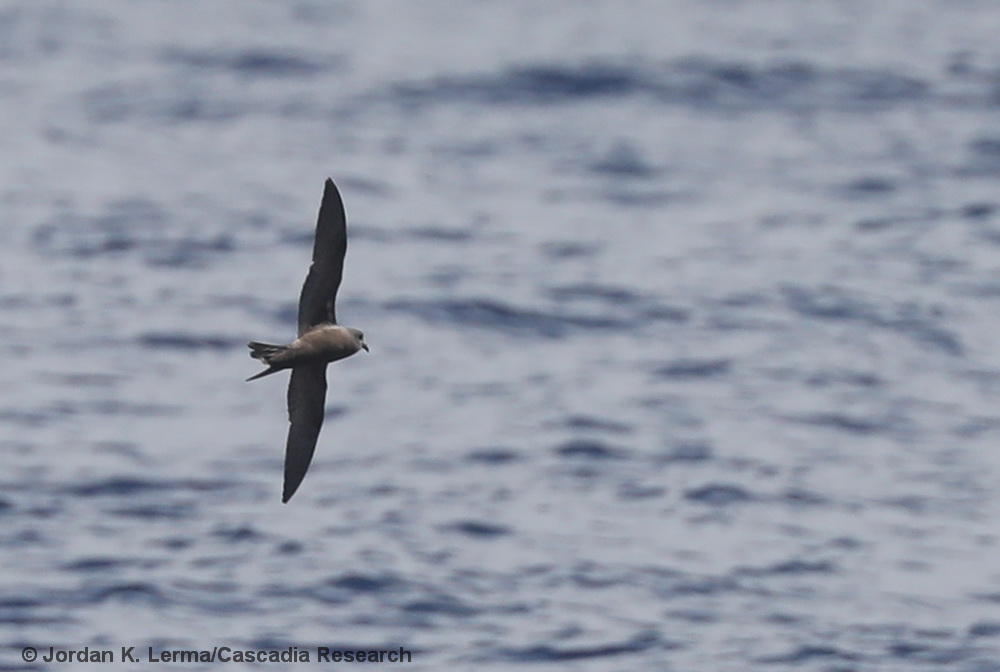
(683,320)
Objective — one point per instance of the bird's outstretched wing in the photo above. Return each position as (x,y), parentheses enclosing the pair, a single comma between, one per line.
(317,303)
(306,404)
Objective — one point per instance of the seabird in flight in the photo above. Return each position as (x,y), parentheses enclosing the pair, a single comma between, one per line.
(321,341)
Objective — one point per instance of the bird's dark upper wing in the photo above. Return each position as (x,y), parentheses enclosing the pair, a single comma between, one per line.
(317,303)
(306,404)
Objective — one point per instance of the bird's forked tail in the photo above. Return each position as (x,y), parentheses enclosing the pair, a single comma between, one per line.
(265,352)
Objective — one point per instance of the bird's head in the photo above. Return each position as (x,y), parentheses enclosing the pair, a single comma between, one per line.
(359,336)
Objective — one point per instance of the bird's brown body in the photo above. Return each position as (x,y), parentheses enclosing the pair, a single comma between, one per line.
(322,344)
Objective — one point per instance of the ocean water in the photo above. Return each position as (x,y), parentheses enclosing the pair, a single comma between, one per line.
(683,319)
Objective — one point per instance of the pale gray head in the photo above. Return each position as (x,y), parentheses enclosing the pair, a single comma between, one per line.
(359,337)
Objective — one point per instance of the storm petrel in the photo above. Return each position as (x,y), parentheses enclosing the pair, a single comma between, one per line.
(320,341)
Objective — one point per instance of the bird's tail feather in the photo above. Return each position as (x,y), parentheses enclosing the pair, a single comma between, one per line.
(265,351)
(266,372)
